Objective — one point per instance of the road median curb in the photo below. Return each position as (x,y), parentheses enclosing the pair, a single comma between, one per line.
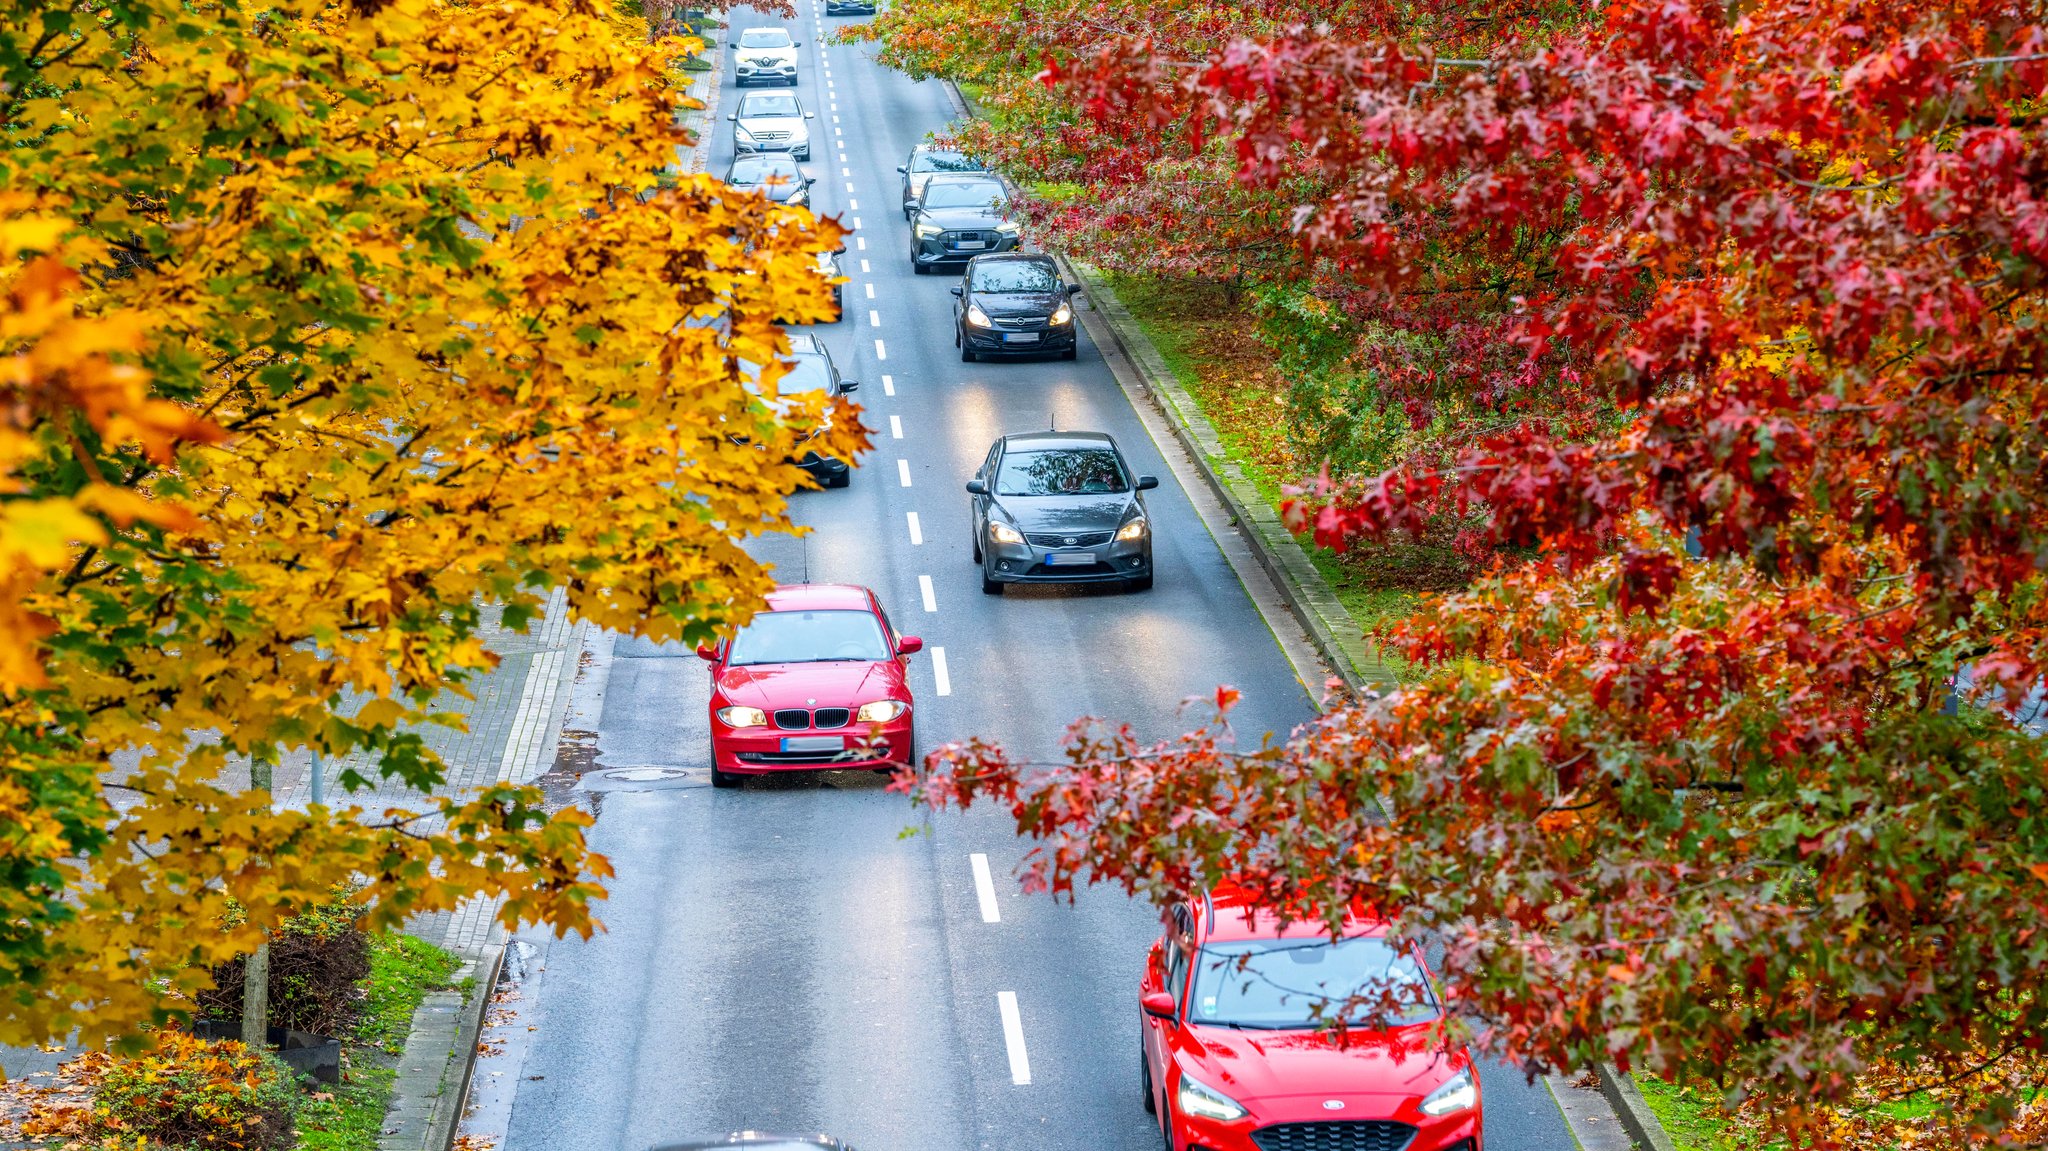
(440,1052)
(1632,1110)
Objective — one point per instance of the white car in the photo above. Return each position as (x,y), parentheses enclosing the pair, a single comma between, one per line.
(765,54)
(771,122)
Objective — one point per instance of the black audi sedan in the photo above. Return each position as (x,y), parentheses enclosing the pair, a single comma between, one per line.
(957,218)
(1060,507)
(1013,304)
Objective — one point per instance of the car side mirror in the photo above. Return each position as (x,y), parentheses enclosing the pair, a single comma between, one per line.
(796,43)
(732,115)
(1147,483)
(958,291)
(903,168)
(1074,289)
(976,488)
(846,386)
(1157,1004)
(908,645)
(810,115)
(706,651)
(840,250)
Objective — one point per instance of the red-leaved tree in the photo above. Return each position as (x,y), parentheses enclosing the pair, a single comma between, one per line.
(1696,789)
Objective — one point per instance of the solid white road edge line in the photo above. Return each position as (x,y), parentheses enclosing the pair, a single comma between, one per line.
(903,471)
(924,588)
(895,427)
(1013,1038)
(985,890)
(916,530)
(939,675)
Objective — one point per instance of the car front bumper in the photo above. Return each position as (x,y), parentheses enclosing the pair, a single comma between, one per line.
(1002,342)
(748,147)
(933,251)
(745,73)
(1459,1132)
(762,750)
(1112,562)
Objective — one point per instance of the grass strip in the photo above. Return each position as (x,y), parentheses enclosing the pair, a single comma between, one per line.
(403,970)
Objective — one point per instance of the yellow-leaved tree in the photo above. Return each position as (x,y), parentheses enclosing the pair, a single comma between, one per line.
(325,324)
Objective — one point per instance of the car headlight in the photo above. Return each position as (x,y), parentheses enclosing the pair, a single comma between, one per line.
(1009,227)
(1135,530)
(1198,1098)
(1063,315)
(742,717)
(927,231)
(739,132)
(1004,533)
(1456,1094)
(881,711)
(976,316)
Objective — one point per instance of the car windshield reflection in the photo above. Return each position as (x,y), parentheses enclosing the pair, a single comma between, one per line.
(1062,471)
(1017,276)
(1287,984)
(808,637)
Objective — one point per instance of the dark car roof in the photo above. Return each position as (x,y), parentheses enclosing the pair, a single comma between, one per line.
(1038,440)
(1010,258)
(942,179)
(754,1139)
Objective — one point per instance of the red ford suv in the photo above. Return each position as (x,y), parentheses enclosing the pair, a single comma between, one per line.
(1240,1051)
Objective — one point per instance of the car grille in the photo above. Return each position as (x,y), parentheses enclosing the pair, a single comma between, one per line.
(1356,1135)
(764,61)
(831,717)
(1077,540)
(770,135)
(798,719)
(792,719)
(971,237)
(1021,323)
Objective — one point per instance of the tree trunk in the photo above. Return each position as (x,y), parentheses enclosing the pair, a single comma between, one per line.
(256,972)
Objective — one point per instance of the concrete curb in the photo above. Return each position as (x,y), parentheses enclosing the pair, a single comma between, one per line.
(1636,1117)
(426,1102)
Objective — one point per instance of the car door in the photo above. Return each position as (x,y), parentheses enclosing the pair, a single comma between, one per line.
(1168,971)
(978,505)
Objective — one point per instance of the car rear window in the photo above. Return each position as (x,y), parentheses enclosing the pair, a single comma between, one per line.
(806,374)
(1060,472)
(1014,276)
(769,104)
(764,38)
(809,637)
(1301,983)
(979,193)
(751,170)
(944,162)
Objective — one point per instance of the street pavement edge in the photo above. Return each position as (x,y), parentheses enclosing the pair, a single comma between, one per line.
(440,1052)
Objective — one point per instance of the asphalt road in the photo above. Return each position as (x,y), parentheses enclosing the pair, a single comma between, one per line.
(782,956)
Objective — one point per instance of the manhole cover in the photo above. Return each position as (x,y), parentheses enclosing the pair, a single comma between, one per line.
(645,774)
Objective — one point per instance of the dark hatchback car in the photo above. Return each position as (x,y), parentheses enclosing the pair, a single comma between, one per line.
(1060,507)
(957,218)
(926,161)
(775,176)
(849,7)
(1013,304)
(811,370)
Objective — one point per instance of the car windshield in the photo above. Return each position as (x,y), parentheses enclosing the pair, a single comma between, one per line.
(807,374)
(769,104)
(1061,471)
(980,193)
(751,170)
(1297,983)
(808,637)
(943,162)
(764,38)
(1014,276)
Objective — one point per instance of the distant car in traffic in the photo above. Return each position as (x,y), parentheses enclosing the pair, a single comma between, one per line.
(833,273)
(771,122)
(818,681)
(1060,507)
(775,176)
(811,369)
(761,1141)
(764,54)
(926,161)
(957,218)
(849,7)
(1236,1058)
(1013,304)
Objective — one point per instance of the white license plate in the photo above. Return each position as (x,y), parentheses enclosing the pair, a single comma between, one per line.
(814,743)
(1070,559)
(1020,337)
(970,245)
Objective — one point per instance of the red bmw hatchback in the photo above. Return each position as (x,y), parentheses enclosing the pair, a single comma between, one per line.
(816,681)
(1234,1059)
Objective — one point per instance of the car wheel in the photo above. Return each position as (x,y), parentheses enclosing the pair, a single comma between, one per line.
(1142,583)
(966,353)
(723,778)
(804,157)
(840,480)
(977,547)
(839,303)
(917,268)
(1145,1080)
(989,586)
(1071,354)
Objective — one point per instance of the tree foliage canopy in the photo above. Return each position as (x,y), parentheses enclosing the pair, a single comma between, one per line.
(325,324)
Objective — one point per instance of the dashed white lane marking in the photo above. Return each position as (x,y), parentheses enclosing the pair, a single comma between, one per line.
(835,119)
(916,530)
(895,427)
(856,223)
(871,288)
(984,887)
(837,132)
(852,205)
(881,350)
(888,385)
(1013,1038)
(862,242)
(874,318)
(939,675)
(846,171)
(903,472)
(863,265)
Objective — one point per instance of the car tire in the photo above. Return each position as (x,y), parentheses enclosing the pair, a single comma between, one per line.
(839,481)
(839,303)
(1145,1081)
(917,268)
(1071,354)
(1142,583)
(989,586)
(723,778)
(966,353)
(803,157)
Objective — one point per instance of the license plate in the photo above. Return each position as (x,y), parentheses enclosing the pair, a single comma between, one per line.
(1020,337)
(970,245)
(1070,559)
(814,743)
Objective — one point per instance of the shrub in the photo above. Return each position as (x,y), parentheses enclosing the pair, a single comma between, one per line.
(189,1093)
(317,959)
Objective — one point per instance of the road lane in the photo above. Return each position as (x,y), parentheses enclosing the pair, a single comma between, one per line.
(780,956)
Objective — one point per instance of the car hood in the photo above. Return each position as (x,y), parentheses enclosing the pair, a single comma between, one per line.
(953,219)
(1096,513)
(840,684)
(1373,1073)
(779,193)
(1018,303)
(773,123)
